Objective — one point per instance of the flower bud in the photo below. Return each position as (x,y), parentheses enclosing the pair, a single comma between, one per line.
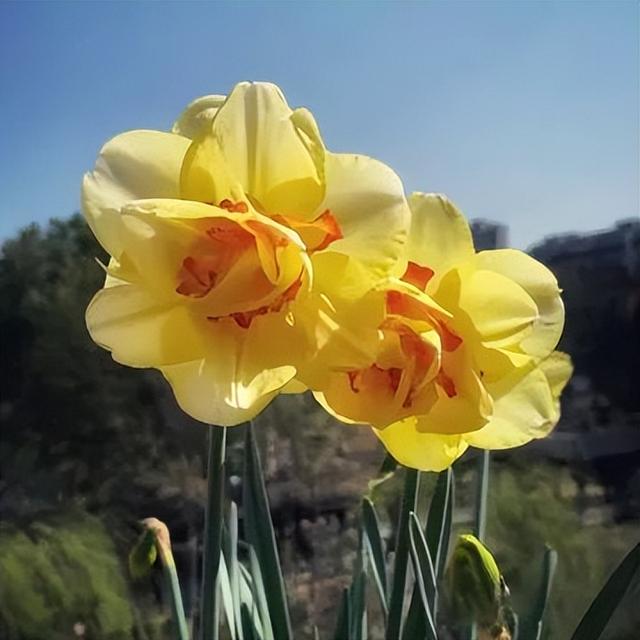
(473,582)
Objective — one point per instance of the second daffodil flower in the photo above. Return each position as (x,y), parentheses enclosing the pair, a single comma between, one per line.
(233,239)
(465,354)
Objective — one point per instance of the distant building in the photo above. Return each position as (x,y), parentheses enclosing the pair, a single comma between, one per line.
(617,249)
(489,235)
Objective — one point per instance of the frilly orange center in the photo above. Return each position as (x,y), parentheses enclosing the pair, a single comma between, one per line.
(227,247)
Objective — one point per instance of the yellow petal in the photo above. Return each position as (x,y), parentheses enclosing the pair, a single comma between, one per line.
(542,287)
(133,165)
(367,199)
(468,410)
(239,375)
(418,449)
(525,407)
(500,311)
(440,236)
(142,331)
(255,143)
(196,119)
(558,368)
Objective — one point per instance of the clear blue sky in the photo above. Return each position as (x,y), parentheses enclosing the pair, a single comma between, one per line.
(522,112)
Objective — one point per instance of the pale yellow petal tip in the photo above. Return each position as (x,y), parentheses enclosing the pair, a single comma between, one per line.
(558,368)
(198,115)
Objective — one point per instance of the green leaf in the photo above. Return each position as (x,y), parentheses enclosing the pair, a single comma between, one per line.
(438,534)
(343,619)
(357,609)
(439,520)
(606,602)
(531,627)
(396,597)
(213,533)
(227,598)
(260,596)
(424,573)
(260,535)
(376,551)
(143,555)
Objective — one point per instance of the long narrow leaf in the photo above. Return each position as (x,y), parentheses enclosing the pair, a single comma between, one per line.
(357,610)
(438,534)
(424,573)
(260,595)
(343,619)
(227,598)
(260,535)
(248,600)
(210,606)
(606,602)
(531,629)
(438,530)
(396,597)
(376,550)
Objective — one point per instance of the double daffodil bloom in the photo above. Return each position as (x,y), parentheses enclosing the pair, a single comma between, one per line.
(466,345)
(233,239)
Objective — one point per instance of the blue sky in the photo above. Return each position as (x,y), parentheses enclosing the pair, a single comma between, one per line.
(522,112)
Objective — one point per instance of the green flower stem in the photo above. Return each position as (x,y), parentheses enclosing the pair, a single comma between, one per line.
(162,543)
(481,509)
(209,604)
(171,578)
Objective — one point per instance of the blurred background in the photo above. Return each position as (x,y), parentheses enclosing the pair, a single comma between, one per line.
(525,113)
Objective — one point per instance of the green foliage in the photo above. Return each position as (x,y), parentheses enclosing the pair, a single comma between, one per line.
(68,411)
(528,508)
(61,572)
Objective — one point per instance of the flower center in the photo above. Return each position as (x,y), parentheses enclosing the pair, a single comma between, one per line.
(239,269)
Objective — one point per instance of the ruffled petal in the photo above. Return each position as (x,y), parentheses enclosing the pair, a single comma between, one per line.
(419,449)
(196,119)
(256,146)
(440,236)
(367,200)
(494,308)
(239,375)
(542,287)
(140,330)
(133,165)
(525,407)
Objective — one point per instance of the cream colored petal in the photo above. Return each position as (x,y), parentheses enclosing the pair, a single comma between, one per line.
(367,199)
(418,449)
(133,165)
(140,330)
(266,152)
(541,285)
(196,119)
(440,236)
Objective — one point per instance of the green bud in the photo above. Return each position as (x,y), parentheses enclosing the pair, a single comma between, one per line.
(143,554)
(474,583)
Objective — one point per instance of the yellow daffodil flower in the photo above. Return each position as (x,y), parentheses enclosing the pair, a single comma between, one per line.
(465,354)
(233,239)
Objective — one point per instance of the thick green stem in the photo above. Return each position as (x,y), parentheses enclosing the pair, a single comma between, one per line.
(481,509)
(209,604)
